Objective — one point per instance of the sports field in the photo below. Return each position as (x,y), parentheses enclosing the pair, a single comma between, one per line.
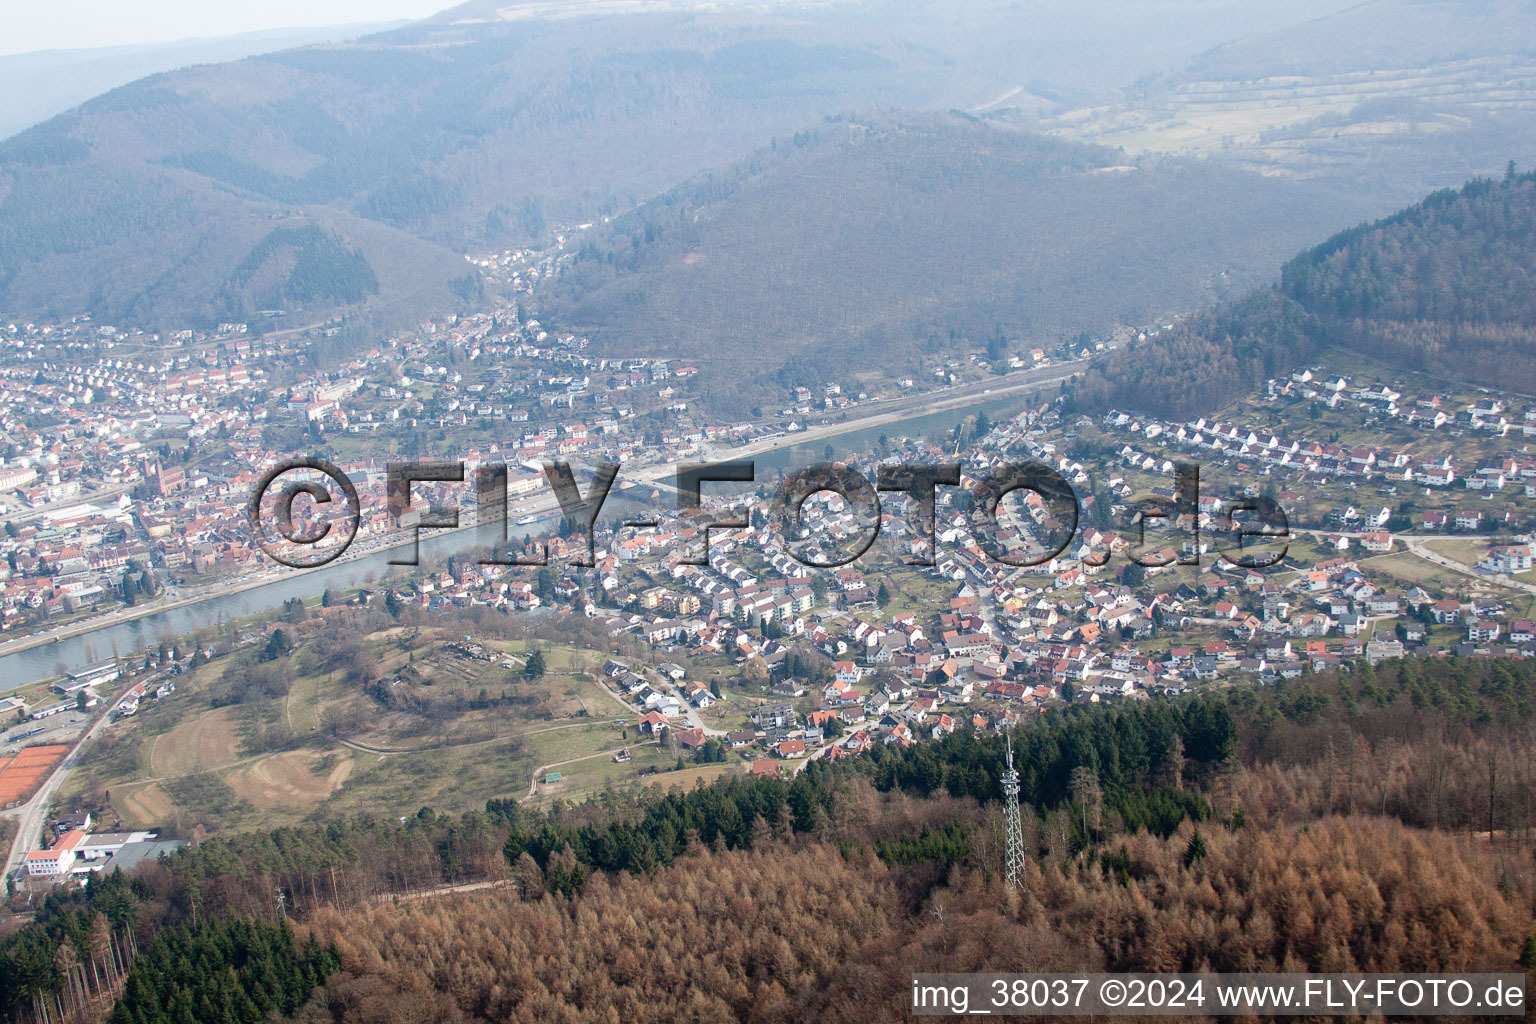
(22,774)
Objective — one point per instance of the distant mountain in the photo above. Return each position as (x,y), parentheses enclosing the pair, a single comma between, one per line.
(36,86)
(487,126)
(1447,286)
(1386,35)
(878,242)
(1392,97)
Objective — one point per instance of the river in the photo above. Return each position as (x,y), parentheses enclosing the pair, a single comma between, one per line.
(22,668)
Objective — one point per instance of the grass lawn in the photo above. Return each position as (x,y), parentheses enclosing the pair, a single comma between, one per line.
(207,741)
(590,777)
(1411,570)
(306,697)
(563,744)
(1468,552)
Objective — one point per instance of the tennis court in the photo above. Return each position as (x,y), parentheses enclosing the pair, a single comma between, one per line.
(20,775)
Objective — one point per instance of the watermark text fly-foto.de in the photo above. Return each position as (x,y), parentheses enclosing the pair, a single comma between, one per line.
(282,537)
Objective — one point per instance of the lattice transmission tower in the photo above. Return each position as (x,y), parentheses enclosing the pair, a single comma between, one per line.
(1015,828)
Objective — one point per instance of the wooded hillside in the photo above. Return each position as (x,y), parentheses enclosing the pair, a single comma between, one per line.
(1446,286)
(881,241)
(794,934)
(1378,820)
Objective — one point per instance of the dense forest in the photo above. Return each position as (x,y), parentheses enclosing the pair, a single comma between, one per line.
(804,933)
(1331,827)
(1446,286)
(231,971)
(1378,819)
(304,266)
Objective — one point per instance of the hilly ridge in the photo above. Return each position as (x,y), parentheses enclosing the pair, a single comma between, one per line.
(873,241)
(40,84)
(491,126)
(1444,286)
(141,203)
(488,126)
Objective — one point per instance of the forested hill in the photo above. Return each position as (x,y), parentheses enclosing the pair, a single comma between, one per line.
(881,240)
(1325,824)
(1447,286)
(145,205)
(489,127)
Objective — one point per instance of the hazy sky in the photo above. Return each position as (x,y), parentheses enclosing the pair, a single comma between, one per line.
(77,24)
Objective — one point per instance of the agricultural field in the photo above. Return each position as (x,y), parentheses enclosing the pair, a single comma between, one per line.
(1295,121)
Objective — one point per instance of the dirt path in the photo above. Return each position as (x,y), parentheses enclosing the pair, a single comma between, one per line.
(626,705)
(444,890)
(199,771)
(359,747)
(395,751)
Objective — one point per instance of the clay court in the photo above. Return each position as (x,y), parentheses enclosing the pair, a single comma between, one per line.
(20,776)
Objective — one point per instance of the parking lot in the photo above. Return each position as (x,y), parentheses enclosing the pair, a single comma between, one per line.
(65,727)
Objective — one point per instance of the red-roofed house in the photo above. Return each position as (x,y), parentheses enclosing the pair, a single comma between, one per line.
(57,859)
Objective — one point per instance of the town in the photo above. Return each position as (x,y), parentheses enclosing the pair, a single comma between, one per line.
(759,660)
(125,481)
(736,637)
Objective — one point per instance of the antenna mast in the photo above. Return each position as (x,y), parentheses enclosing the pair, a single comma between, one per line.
(1015,828)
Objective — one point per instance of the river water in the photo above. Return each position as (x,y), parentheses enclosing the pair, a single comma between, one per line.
(24,667)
